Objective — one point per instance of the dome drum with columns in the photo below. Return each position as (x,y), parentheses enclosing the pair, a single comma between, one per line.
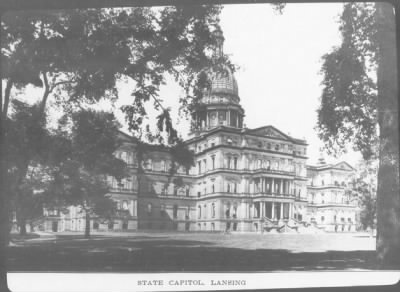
(220,105)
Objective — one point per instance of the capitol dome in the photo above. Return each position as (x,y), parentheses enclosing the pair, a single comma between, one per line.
(224,82)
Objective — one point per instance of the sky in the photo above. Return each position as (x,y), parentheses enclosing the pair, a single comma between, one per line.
(279,59)
(279,56)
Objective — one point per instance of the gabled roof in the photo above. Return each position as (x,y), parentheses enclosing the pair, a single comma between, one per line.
(342,165)
(271,131)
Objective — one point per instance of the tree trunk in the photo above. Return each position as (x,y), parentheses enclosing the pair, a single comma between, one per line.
(388,198)
(4,210)
(87,224)
(22,226)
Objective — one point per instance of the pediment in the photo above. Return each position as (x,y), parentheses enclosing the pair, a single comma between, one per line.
(270,131)
(344,165)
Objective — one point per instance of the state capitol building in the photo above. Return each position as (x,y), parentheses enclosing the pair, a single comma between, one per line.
(244,180)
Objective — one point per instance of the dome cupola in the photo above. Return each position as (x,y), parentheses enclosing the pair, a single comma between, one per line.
(220,104)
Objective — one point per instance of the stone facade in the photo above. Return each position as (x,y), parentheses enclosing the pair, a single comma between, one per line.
(245,180)
(329,205)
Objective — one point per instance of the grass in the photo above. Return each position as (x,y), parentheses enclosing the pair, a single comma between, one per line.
(193,252)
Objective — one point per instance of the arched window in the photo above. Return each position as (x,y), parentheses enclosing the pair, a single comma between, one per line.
(199,212)
(205,211)
(163,166)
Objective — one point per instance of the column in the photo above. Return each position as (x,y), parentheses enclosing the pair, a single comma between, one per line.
(273,186)
(229,117)
(262,185)
(262,209)
(273,211)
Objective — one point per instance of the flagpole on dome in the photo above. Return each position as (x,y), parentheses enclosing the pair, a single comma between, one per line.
(219,37)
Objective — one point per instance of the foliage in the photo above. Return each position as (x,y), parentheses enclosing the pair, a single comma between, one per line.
(364,186)
(348,110)
(81,178)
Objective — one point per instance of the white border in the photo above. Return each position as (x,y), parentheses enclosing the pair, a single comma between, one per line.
(92,282)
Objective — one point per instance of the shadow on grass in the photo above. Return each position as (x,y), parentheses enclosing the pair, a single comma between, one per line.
(111,254)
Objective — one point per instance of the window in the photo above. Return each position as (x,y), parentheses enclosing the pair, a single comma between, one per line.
(235,162)
(227,212)
(322,219)
(212,188)
(149,209)
(175,191)
(213,161)
(199,212)
(162,210)
(277,147)
(187,192)
(205,164)
(234,187)
(175,212)
(228,188)
(125,205)
(199,166)
(229,162)
(110,225)
(198,194)
(205,211)
(269,146)
(213,210)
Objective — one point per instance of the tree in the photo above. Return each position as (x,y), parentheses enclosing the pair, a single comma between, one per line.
(80,179)
(77,56)
(363,187)
(357,109)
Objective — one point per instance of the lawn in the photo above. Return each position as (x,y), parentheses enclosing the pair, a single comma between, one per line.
(192,252)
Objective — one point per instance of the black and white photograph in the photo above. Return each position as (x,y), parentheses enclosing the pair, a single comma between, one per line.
(237,139)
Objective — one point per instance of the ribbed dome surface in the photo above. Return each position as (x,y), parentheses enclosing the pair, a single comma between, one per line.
(224,82)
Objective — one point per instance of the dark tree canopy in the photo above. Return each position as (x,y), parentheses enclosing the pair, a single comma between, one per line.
(348,109)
